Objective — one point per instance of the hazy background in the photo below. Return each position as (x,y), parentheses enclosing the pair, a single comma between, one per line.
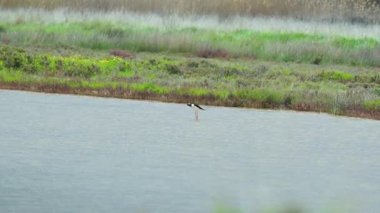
(347,10)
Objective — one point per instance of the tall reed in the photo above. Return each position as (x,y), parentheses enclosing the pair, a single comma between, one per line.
(348,10)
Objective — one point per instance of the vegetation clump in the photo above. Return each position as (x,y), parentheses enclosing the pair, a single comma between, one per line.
(336,76)
(372,105)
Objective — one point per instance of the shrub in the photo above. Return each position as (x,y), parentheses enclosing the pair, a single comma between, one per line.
(265,96)
(19,59)
(372,105)
(173,69)
(336,76)
(79,68)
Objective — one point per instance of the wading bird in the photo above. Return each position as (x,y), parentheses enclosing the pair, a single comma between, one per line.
(196,108)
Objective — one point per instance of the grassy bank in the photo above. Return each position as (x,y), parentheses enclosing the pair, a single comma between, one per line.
(334,89)
(186,35)
(235,61)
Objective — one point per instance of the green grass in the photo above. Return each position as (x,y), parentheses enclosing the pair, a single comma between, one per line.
(149,87)
(274,46)
(11,77)
(267,96)
(372,104)
(337,76)
(237,82)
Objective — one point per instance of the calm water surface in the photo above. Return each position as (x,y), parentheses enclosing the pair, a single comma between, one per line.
(61,153)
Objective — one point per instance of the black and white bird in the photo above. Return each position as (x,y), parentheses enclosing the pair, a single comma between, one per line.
(196,108)
(194,105)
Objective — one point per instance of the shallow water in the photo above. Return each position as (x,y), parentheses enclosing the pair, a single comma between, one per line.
(62,153)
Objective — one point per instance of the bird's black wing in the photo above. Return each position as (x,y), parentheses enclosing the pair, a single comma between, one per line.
(198,106)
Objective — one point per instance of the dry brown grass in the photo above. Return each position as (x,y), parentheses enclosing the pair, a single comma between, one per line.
(121,54)
(351,10)
(211,53)
(5,40)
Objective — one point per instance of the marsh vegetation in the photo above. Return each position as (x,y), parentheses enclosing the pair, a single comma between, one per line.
(271,54)
(239,82)
(333,10)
